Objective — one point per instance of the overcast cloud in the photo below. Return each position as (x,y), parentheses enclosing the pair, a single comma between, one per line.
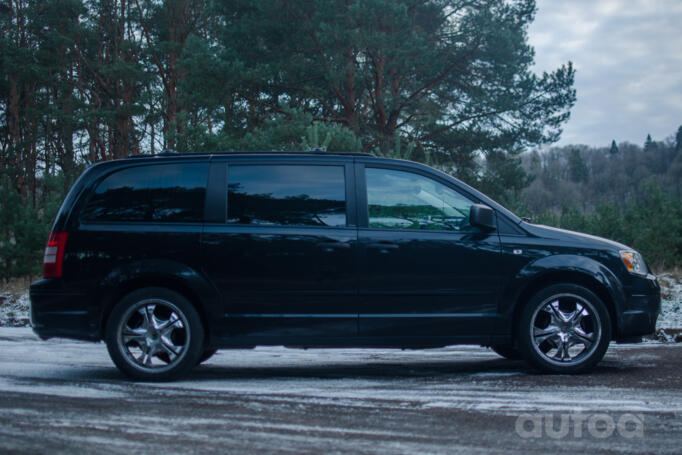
(628,60)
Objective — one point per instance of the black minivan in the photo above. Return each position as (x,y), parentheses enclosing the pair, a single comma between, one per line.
(168,258)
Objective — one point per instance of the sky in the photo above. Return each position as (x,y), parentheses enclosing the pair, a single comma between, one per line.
(628,60)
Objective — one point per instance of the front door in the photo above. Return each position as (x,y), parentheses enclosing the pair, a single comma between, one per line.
(425,271)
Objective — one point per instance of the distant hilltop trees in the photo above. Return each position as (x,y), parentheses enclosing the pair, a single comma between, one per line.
(627,192)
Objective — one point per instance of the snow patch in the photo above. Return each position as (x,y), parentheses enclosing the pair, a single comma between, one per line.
(671,302)
(14,309)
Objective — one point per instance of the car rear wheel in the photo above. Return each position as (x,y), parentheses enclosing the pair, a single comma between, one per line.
(564,328)
(154,334)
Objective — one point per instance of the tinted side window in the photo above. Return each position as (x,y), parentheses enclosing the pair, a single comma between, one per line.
(403,200)
(160,193)
(286,195)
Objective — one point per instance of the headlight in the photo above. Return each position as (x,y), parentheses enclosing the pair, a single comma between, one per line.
(633,262)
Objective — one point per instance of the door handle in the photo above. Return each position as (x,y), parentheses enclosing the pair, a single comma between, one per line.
(383,247)
(330,246)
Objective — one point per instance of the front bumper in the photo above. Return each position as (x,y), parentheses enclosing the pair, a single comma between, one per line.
(641,309)
(57,312)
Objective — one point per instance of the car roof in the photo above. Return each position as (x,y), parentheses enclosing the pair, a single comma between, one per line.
(170,156)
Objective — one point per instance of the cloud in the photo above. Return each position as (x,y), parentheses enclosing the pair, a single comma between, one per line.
(628,60)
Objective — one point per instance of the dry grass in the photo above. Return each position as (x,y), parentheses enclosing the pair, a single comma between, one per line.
(675,272)
(16,286)
(668,280)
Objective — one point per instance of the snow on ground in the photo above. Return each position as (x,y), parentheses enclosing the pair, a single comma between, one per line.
(62,396)
(671,303)
(384,379)
(14,309)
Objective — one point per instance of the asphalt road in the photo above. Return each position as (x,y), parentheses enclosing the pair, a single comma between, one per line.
(66,397)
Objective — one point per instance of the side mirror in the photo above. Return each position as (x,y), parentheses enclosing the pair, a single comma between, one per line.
(482,217)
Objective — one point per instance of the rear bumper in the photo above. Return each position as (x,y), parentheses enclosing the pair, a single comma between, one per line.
(56,312)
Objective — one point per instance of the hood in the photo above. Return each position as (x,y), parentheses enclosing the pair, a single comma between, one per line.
(563,234)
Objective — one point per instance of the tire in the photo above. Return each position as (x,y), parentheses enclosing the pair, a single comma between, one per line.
(565,329)
(507,350)
(206,355)
(154,334)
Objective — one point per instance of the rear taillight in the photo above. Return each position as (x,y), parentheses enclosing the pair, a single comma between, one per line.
(54,255)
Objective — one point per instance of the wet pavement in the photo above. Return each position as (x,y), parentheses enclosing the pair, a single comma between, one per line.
(62,396)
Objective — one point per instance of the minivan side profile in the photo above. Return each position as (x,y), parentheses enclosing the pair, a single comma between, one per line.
(168,258)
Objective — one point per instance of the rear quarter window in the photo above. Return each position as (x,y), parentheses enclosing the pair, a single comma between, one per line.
(152,193)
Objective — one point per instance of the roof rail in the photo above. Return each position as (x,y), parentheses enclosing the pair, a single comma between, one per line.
(262,152)
(150,155)
(320,151)
(172,153)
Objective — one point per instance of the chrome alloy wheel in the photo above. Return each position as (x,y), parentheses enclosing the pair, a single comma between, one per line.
(565,329)
(153,335)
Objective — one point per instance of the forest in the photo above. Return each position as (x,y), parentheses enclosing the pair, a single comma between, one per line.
(445,82)
(625,192)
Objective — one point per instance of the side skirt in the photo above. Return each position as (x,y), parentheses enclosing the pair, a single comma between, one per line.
(401,342)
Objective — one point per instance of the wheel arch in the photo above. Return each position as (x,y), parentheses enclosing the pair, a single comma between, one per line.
(189,285)
(591,275)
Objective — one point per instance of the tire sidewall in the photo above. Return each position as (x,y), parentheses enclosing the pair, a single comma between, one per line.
(194,348)
(525,342)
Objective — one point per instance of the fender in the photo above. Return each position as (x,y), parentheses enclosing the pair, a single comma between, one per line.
(160,272)
(550,268)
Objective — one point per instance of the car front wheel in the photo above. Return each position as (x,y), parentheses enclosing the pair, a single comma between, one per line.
(564,328)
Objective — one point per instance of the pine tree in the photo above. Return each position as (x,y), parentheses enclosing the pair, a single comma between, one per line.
(577,167)
(678,139)
(167,26)
(614,148)
(457,86)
